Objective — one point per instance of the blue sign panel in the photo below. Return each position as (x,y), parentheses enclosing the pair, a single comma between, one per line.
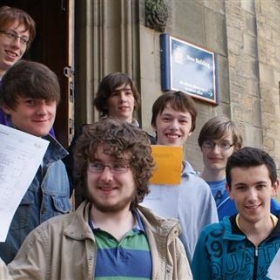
(188,68)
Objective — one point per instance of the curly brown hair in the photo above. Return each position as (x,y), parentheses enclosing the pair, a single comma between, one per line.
(119,139)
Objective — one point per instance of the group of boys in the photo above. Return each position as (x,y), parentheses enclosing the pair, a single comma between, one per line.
(109,166)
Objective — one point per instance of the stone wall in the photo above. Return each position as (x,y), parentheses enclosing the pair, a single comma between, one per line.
(245,36)
(253,56)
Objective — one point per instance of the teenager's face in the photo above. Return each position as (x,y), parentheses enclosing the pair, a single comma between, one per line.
(215,158)
(173,127)
(251,189)
(34,116)
(121,103)
(109,191)
(11,49)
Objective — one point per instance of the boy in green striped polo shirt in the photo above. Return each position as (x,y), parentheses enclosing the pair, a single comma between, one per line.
(109,236)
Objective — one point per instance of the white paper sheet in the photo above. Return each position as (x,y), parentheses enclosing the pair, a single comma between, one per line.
(274,268)
(20,157)
(163,200)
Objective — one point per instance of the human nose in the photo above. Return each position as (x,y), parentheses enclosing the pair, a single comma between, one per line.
(16,42)
(252,195)
(216,148)
(123,96)
(42,109)
(106,174)
(174,124)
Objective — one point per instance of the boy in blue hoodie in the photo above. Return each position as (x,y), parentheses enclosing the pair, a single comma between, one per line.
(242,246)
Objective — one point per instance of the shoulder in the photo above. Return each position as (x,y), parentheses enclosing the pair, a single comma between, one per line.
(197,182)
(275,207)
(157,223)
(54,225)
(213,232)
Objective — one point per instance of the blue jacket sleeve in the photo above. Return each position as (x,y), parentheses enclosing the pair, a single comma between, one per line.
(200,265)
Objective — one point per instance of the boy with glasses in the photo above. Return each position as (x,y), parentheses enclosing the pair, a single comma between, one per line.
(117,98)
(109,236)
(17,32)
(218,139)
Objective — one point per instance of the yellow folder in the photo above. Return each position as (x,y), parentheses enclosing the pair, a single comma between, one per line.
(168,161)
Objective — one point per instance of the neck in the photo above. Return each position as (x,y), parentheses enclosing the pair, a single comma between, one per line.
(128,119)
(116,223)
(256,232)
(212,175)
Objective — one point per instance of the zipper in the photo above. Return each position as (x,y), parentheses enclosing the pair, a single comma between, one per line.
(256,257)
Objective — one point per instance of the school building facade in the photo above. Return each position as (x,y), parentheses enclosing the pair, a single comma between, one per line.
(124,35)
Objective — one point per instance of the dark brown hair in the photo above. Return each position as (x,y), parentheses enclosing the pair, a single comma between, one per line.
(250,157)
(179,101)
(28,79)
(107,87)
(117,138)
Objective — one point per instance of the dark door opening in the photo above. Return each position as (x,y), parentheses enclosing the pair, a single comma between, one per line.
(52,47)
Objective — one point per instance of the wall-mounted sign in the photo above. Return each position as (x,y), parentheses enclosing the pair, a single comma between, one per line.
(188,68)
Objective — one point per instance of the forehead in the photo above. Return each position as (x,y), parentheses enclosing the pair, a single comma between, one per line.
(16,26)
(227,136)
(249,175)
(169,110)
(122,86)
(109,152)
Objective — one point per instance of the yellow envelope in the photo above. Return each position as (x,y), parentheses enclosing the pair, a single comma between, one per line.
(168,161)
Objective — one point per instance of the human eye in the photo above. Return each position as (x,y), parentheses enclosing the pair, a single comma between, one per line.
(24,40)
(225,145)
(184,121)
(29,101)
(240,188)
(208,143)
(119,167)
(166,118)
(261,186)
(11,35)
(128,92)
(114,93)
(96,166)
(50,102)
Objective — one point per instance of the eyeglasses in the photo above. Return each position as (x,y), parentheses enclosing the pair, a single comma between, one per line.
(210,145)
(13,37)
(115,167)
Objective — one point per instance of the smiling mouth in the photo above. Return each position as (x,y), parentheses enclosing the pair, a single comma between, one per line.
(124,108)
(173,136)
(252,207)
(11,54)
(106,189)
(40,121)
(215,159)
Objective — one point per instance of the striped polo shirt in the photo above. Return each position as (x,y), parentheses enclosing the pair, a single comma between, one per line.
(129,258)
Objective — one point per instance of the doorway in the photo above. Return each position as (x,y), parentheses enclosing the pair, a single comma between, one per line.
(54,47)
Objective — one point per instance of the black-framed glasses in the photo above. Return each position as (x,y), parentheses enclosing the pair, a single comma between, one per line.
(13,37)
(115,167)
(210,145)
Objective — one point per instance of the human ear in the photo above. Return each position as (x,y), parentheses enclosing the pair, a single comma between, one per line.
(229,191)
(7,110)
(275,188)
